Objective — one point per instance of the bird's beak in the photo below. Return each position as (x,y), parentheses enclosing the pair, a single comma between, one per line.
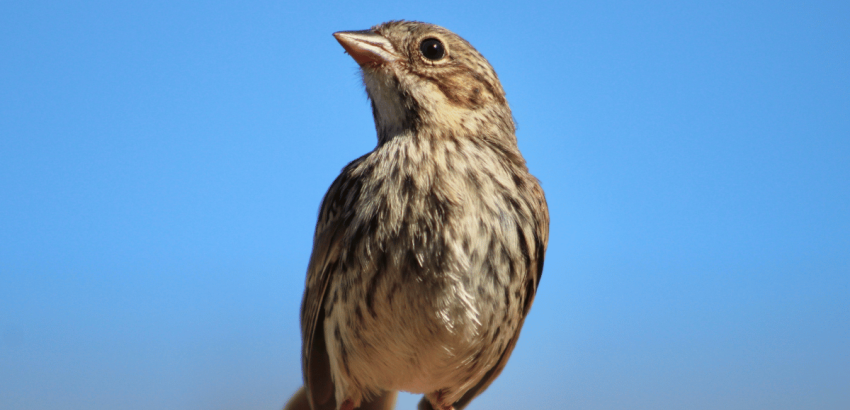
(366,47)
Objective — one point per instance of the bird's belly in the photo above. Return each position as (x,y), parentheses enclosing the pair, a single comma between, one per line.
(418,359)
(413,343)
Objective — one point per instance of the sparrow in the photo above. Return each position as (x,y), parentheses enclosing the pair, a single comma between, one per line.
(429,249)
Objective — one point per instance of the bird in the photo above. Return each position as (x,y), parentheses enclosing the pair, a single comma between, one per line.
(429,249)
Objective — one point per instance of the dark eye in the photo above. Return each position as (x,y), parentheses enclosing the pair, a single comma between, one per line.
(432,49)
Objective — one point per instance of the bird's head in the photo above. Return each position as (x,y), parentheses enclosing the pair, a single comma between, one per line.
(425,80)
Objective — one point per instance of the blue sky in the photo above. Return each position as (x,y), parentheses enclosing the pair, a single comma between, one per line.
(161,166)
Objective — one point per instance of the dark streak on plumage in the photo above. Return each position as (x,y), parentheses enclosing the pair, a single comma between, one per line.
(371,290)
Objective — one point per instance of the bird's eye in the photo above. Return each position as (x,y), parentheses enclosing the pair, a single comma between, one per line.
(432,49)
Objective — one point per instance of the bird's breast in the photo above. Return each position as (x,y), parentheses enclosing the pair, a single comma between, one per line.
(427,270)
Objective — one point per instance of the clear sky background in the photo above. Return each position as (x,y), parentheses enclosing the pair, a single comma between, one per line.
(161,167)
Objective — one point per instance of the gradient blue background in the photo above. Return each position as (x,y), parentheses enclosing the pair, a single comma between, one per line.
(161,167)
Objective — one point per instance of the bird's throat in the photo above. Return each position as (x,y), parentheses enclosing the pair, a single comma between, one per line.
(394,114)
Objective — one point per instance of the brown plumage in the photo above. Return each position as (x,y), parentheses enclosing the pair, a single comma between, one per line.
(429,249)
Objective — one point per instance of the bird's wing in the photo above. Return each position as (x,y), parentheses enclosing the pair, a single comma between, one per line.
(327,245)
(534,250)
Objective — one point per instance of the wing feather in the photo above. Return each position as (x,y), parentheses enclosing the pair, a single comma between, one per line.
(324,263)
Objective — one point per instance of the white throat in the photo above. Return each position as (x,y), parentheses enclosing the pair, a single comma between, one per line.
(390,112)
